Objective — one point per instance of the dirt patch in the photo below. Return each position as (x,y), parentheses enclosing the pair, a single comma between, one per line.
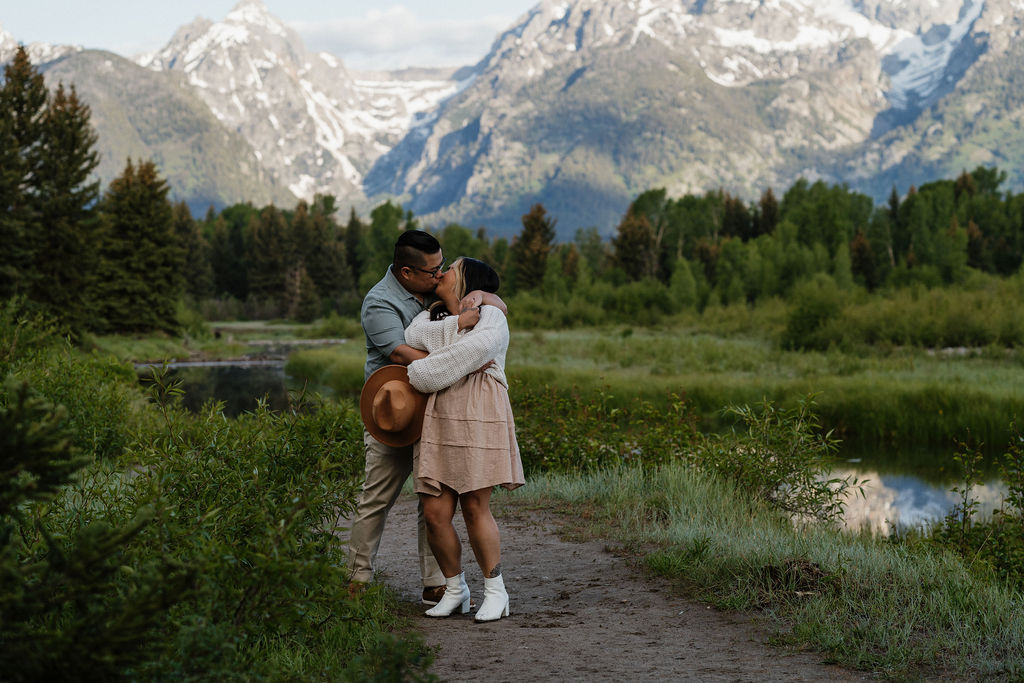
(581,612)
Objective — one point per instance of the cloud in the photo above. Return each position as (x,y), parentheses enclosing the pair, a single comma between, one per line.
(395,37)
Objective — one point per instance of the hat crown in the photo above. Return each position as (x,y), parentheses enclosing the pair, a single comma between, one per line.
(393,406)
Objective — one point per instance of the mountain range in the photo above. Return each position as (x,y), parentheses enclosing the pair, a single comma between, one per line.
(579,105)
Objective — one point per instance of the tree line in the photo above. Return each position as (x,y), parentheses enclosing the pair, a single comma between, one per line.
(129,259)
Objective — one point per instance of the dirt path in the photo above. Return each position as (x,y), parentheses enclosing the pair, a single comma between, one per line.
(581,613)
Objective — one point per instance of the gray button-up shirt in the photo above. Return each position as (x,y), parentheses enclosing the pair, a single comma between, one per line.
(387,310)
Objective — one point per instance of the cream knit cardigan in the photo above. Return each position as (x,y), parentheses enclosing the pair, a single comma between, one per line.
(455,354)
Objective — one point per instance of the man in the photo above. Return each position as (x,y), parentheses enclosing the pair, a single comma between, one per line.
(388,308)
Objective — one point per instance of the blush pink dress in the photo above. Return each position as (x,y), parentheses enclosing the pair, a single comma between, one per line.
(469,436)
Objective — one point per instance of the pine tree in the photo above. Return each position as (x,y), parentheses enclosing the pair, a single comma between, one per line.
(634,247)
(270,255)
(12,256)
(325,257)
(141,262)
(768,214)
(65,196)
(531,248)
(22,106)
(197,271)
(353,239)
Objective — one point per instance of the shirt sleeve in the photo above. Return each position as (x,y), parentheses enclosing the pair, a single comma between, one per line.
(466,354)
(430,335)
(383,327)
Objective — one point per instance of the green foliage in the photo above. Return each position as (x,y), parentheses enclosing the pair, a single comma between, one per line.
(206,550)
(139,277)
(995,544)
(529,252)
(782,459)
(816,302)
(70,608)
(47,194)
(560,432)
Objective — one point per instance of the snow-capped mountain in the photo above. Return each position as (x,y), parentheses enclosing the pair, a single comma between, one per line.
(316,126)
(38,52)
(584,103)
(580,105)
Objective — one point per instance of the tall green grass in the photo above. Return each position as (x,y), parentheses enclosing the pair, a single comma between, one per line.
(903,611)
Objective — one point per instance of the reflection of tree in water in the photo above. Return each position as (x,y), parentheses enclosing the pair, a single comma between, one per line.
(239,387)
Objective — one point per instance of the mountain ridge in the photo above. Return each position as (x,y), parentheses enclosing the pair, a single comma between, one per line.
(582,104)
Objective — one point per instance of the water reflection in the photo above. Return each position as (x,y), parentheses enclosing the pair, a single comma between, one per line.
(238,386)
(899,501)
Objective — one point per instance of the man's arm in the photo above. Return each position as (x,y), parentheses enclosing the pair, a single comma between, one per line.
(405,354)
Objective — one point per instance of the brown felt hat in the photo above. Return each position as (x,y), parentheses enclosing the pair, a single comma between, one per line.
(391,408)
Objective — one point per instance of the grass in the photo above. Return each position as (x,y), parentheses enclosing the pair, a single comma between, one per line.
(901,610)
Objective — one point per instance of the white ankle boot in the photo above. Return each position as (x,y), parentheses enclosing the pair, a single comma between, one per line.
(495,605)
(456,596)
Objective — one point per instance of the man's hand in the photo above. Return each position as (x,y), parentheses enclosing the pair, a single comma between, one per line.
(478,296)
(471,300)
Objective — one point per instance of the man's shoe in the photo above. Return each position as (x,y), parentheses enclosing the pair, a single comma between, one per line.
(356,588)
(432,594)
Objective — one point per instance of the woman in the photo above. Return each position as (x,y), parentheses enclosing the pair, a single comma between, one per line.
(468,444)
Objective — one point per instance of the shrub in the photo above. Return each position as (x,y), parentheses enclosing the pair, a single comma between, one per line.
(560,432)
(815,303)
(783,458)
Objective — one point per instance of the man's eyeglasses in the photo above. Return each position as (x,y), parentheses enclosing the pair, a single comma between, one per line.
(433,271)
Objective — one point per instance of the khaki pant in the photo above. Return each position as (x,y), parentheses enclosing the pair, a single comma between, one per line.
(387,468)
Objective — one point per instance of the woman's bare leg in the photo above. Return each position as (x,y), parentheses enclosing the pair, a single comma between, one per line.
(484,536)
(438,512)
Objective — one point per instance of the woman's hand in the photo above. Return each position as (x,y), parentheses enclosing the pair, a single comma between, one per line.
(469,318)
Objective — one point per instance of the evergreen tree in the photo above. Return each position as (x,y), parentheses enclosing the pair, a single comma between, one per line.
(197,271)
(227,258)
(323,254)
(141,262)
(768,213)
(634,247)
(65,197)
(862,262)
(270,255)
(22,108)
(353,241)
(529,252)
(12,255)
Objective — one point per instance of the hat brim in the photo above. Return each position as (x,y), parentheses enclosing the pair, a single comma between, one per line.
(374,382)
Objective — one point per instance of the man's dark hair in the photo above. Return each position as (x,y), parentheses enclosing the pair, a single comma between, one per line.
(413,246)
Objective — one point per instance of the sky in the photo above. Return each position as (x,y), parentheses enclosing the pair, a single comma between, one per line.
(365,35)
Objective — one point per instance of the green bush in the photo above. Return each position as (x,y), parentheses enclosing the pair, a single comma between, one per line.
(71,607)
(995,544)
(782,458)
(816,302)
(566,432)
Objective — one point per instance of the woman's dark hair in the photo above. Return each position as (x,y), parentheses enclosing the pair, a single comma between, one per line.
(478,275)
(471,274)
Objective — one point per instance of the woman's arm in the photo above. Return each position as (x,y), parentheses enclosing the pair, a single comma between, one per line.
(465,355)
(430,335)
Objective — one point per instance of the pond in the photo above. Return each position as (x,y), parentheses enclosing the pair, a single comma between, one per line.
(901,491)
(238,384)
